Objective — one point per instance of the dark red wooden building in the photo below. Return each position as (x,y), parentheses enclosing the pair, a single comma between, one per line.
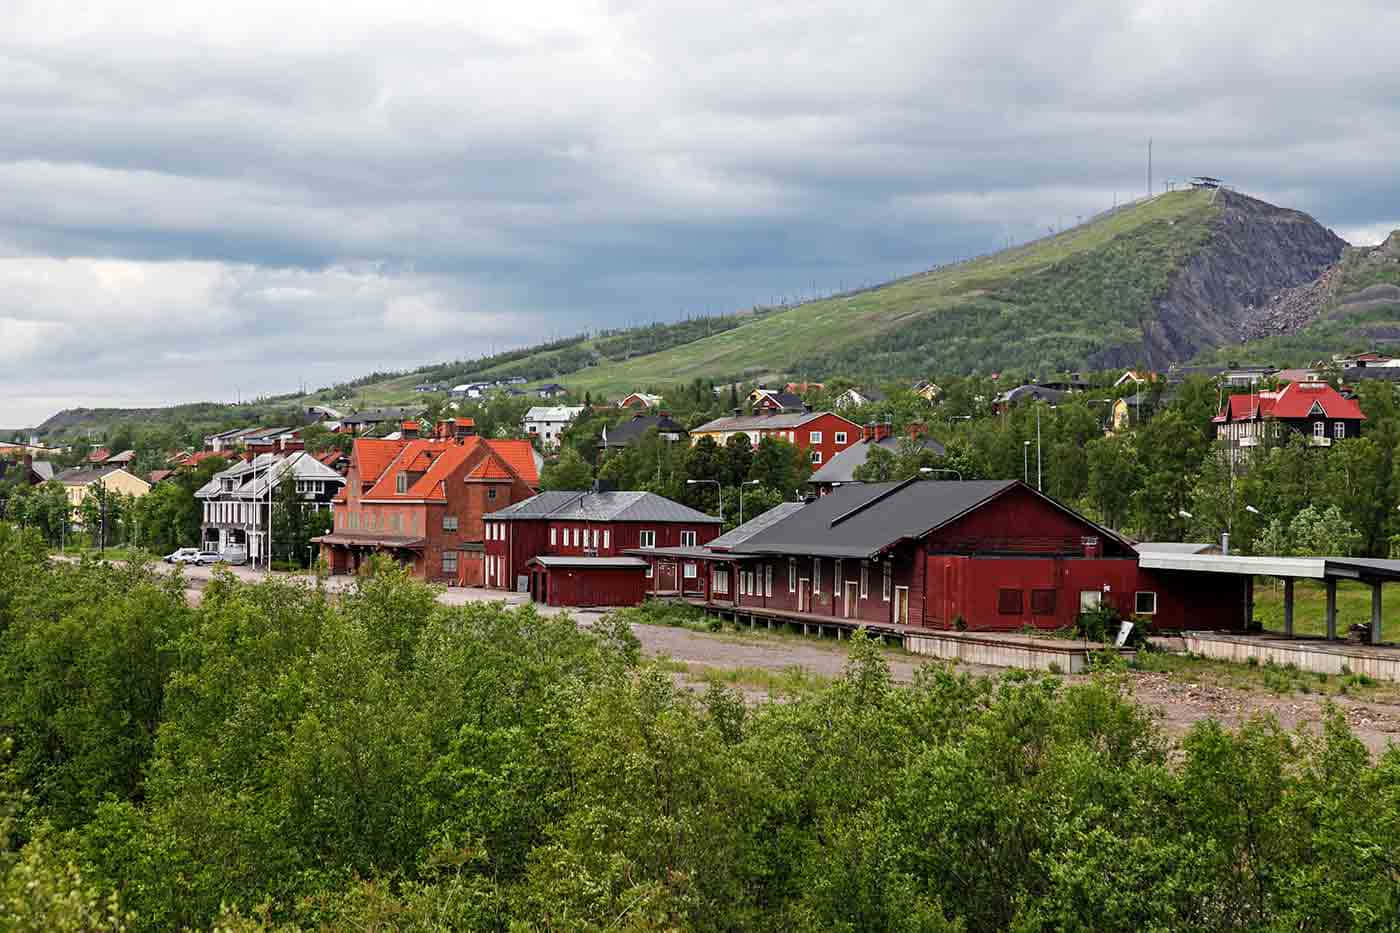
(984,556)
(585,536)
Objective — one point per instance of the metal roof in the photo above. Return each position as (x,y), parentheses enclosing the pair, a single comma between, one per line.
(1313,568)
(842,467)
(1174,547)
(603,507)
(625,563)
(862,519)
(698,553)
(788,419)
(735,537)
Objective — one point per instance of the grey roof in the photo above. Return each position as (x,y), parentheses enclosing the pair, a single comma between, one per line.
(1317,568)
(786,399)
(870,395)
(791,419)
(378,415)
(842,467)
(252,475)
(734,538)
(1174,547)
(699,553)
(1030,393)
(586,562)
(633,429)
(43,469)
(603,507)
(79,476)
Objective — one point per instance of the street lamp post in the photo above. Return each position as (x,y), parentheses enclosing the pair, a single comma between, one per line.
(752,482)
(718,487)
(927,470)
(1026,462)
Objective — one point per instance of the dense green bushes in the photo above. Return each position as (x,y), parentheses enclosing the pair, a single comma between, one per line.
(278,758)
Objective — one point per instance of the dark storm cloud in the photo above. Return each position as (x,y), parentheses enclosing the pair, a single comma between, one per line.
(239,197)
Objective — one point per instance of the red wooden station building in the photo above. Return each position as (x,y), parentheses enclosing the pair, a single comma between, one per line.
(979,556)
(569,548)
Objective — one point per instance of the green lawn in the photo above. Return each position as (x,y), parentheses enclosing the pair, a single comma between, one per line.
(1310,607)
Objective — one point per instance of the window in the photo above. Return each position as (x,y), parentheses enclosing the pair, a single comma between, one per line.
(553,536)
(1009,602)
(864,579)
(815,437)
(816,456)
(839,437)
(1042,602)
(691,571)
(836,577)
(816,574)
(687,539)
(650,571)
(767,579)
(449,523)
(721,581)
(647,538)
(1339,430)
(885,592)
(792,575)
(491,492)
(1145,603)
(401,482)
(607,537)
(1089,600)
(449,562)
(1319,429)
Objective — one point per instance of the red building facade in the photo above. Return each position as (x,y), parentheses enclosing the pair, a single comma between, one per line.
(822,434)
(585,526)
(976,556)
(424,501)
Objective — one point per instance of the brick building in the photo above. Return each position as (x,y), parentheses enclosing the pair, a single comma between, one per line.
(423,501)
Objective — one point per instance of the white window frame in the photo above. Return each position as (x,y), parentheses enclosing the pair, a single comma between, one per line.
(792,574)
(401,483)
(646,538)
(814,437)
(449,523)
(1090,600)
(838,577)
(864,579)
(1339,429)
(1138,595)
(452,557)
(768,580)
(839,437)
(607,537)
(553,537)
(690,570)
(816,456)
(687,539)
(650,571)
(816,575)
(1319,429)
(719,581)
(889,578)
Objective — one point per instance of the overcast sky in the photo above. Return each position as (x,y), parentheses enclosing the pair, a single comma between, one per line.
(205,200)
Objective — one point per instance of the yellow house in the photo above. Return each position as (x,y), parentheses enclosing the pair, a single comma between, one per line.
(79,482)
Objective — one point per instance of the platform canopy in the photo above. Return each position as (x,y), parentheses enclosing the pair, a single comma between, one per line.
(1309,568)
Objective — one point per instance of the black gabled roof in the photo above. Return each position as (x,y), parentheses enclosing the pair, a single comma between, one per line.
(864,519)
(633,429)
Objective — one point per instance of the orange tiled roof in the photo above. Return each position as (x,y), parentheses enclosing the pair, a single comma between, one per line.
(434,460)
(491,468)
(520,457)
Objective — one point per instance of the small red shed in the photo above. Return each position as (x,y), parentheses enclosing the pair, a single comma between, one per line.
(587,581)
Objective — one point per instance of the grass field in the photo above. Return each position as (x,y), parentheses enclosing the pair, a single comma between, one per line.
(1310,607)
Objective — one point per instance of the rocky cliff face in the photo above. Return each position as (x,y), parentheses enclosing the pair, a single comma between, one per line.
(1226,292)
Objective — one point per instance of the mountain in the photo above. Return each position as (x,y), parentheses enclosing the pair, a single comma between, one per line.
(1177,276)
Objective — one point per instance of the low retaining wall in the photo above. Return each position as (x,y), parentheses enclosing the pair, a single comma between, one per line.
(1033,654)
(1307,655)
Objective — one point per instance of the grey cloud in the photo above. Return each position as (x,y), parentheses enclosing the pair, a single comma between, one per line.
(407,176)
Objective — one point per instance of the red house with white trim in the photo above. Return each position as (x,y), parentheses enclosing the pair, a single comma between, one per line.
(822,434)
(1313,409)
(585,535)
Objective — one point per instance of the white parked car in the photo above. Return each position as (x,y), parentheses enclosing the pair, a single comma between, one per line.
(192,555)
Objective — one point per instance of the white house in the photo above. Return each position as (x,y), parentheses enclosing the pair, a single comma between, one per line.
(548,422)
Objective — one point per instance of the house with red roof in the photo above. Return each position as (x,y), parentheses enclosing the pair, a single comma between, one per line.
(422,501)
(1314,409)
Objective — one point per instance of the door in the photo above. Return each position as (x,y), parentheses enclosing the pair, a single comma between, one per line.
(901,605)
(666,576)
(852,599)
(804,595)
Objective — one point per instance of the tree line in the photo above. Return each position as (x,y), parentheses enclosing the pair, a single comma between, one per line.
(277,758)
